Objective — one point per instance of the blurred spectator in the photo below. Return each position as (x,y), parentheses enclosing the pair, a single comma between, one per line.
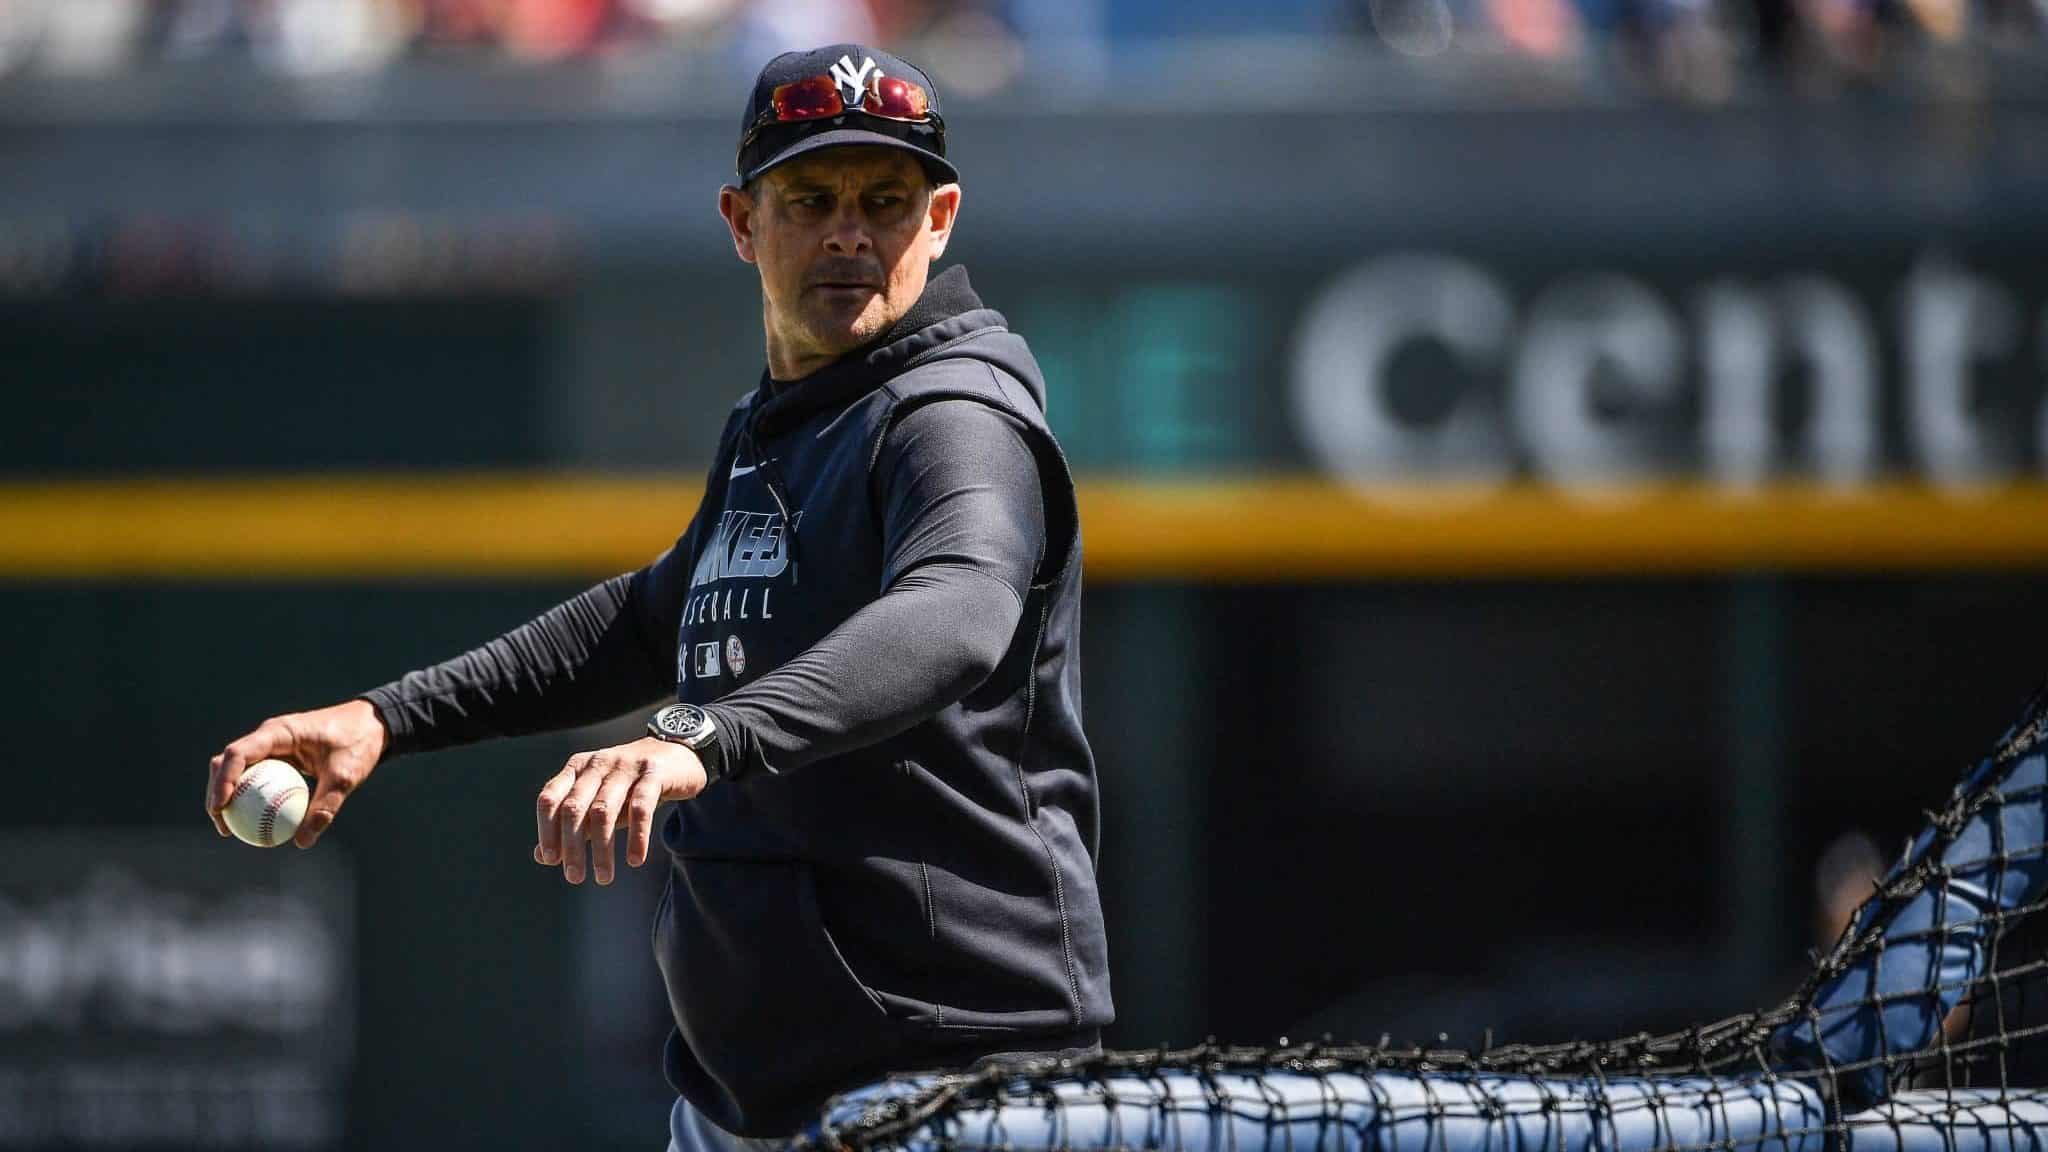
(766,27)
(313,37)
(189,28)
(1546,29)
(1413,27)
(526,29)
(17,33)
(458,23)
(682,21)
(82,37)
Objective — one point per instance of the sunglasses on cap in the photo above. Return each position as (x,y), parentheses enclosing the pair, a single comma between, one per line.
(819,98)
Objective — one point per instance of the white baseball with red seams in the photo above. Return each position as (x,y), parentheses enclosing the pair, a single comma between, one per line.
(267,805)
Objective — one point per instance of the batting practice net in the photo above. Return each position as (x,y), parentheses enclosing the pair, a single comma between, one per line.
(1919,1030)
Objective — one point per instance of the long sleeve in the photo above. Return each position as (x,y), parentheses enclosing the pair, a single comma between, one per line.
(601,653)
(963,531)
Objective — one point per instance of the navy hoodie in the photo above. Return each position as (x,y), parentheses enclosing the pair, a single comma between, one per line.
(854,898)
(919,900)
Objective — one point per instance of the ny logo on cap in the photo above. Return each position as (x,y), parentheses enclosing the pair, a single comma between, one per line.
(854,80)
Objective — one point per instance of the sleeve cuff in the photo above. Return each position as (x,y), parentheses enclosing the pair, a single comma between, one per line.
(738,752)
(398,739)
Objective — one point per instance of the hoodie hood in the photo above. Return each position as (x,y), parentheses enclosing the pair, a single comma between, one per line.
(948,321)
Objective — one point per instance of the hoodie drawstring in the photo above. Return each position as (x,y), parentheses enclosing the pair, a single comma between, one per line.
(779,491)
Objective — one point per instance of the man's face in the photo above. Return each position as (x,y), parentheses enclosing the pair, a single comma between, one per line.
(843,239)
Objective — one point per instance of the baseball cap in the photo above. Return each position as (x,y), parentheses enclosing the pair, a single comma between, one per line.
(855,72)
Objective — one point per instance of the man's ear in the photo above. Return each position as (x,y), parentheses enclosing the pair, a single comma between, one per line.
(940,211)
(738,209)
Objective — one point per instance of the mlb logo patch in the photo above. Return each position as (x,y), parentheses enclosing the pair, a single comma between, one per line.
(706,664)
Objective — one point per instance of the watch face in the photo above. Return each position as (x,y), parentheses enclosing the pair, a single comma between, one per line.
(682,721)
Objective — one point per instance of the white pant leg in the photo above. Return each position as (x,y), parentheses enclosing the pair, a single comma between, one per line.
(689,1131)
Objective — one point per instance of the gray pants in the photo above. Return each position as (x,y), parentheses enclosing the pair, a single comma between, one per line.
(689,1131)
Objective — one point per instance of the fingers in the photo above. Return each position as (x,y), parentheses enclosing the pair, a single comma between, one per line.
(556,790)
(642,799)
(603,819)
(583,808)
(569,817)
(225,770)
(213,782)
(328,795)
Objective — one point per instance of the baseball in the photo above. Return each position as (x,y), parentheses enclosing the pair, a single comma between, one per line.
(267,805)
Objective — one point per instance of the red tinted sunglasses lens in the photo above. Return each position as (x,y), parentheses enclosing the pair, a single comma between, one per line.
(894,99)
(812,99)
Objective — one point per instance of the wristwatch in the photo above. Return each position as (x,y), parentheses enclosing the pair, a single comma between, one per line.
(691,726)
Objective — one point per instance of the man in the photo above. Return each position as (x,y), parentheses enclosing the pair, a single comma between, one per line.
(884,858)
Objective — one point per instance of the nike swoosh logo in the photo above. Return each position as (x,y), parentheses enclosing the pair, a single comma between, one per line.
(738,471)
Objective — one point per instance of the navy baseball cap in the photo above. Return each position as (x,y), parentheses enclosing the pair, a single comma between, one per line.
(839,95)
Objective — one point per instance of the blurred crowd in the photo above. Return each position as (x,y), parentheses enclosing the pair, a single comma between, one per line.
(1696,46)
(1703,48)
(96,37)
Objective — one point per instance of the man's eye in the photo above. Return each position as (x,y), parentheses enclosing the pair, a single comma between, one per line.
(810,201)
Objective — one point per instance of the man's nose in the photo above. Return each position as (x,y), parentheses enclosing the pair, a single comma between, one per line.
(848,235)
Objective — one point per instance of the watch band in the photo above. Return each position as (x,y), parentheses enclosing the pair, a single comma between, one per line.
(693,728)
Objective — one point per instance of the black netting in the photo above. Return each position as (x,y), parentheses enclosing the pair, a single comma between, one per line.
(1922,1028)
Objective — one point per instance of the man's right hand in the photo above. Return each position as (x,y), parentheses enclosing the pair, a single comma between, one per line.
(336,746)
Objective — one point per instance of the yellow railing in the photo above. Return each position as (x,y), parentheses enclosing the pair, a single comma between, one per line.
(1242,529)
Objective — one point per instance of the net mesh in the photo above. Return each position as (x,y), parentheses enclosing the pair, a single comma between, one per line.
(1920,1028)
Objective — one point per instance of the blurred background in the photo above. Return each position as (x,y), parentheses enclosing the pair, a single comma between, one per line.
(1563,487)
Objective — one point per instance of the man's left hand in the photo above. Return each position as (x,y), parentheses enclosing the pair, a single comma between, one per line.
(584,803)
